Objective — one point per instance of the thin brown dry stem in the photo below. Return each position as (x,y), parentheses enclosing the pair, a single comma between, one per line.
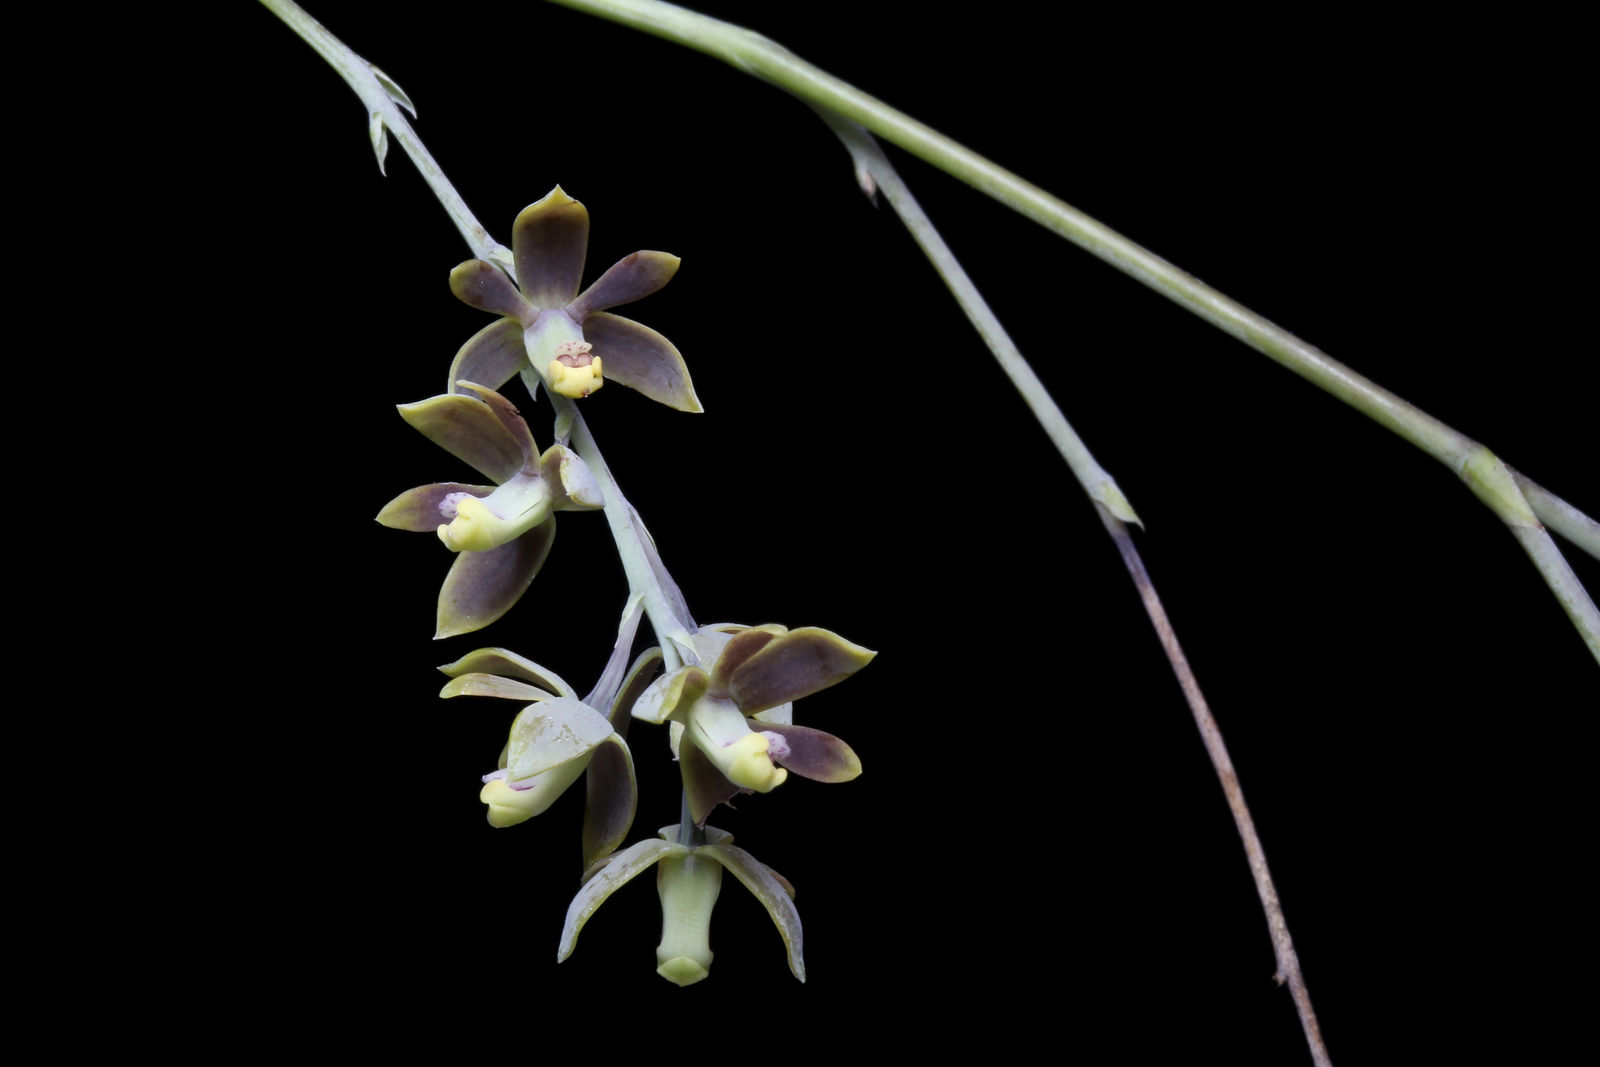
(1211,734)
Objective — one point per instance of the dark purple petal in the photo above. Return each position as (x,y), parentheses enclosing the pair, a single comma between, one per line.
(813,754)
(491,357)
(745,644)
(418,509)
(639,358)
(799,663)
(630,278)
(483,285)
(703,784)
(482,586)
(468,429)
(613,796)
(549,241)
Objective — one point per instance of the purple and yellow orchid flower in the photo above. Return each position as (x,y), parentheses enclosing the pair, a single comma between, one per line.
(565,337)
(501,532)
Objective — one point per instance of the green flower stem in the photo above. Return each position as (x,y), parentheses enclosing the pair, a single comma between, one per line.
(1561,516)
(1470,461)
(383,100)
(672,633)
(873,170)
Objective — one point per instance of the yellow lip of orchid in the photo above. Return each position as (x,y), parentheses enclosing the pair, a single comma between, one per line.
(509,805)
(549,247)
(574,382)
(478,524)
(748,764)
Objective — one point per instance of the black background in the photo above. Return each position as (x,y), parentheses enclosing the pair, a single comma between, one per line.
(1038,847)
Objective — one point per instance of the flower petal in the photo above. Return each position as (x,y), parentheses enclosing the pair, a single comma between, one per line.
(465,427)
(499,661)
(814,754)
(482,586)
(550,240)
(769,889)
(613,796)
(703,785)
(630,278)
(623,868)
(799,663)
(639,358)
(638,680)
(480,284)
(493,685)
(670,693)
(418,509)
(509,417)
(551,733)
(605,689)
(743,645)
(491,357)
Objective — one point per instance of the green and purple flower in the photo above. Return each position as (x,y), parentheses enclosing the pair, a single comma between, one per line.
(565,337)
(501,532)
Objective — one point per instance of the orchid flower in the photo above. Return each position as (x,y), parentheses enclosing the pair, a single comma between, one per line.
(502,533)
(738,715)
(688,879)
(564,336)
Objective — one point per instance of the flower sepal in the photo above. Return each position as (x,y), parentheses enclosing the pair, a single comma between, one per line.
(501,534)
(688,883)
(569,342)
(738,716)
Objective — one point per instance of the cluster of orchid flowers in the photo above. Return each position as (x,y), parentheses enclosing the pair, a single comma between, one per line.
(728,701)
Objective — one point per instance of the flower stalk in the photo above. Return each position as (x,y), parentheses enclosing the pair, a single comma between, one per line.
(771,62)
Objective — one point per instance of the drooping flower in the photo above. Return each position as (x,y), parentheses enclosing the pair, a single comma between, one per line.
(567,338)
(501,532)
(688,880)
(737,715)
(556,739)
